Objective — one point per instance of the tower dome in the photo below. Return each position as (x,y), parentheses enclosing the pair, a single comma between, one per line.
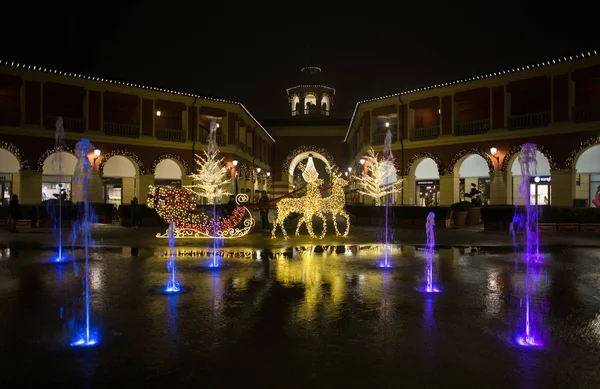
(311,97)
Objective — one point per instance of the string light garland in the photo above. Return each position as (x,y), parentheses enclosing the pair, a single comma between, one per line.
(336,202)
(516,149)
(172,156)
(179,206)
(209,177)
(555,61)
(133,85)
(375,182)
(123,153)
(49,152)
(417,156)
(581,147)
(471,151)
(23,162)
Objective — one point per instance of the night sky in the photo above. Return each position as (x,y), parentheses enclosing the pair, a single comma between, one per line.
(253,54)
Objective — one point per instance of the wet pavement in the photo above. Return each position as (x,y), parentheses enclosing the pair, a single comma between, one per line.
(297,317)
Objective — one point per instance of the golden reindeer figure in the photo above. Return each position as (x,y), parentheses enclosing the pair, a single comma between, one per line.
(336,202)
(307,206)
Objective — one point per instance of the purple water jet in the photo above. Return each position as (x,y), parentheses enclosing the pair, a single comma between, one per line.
(172,284)
(526,239)
(430,286)
(55,207)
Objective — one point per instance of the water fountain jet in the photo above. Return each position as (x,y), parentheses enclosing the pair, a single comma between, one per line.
(430,286)
(82,176)
(172,284)
(525,231)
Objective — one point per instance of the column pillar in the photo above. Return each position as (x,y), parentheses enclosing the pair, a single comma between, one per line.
(41,104)
(498,188)
(86,110)
(102,111)
(128,190)
(506,107)
(30,188)
(551,99)
(145,181)
(95,189)
(409,190)
(563,188)
(571,104)
(449,189)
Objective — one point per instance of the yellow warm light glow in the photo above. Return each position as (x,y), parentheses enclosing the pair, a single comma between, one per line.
(158,113)
(313,204)
(209,179)
(372,183)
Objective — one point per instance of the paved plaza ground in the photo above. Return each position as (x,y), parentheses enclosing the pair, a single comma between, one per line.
(113,235)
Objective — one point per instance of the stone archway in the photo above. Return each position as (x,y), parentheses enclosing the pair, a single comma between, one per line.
(121,172)
(433,171)
(509,168)
(291,163)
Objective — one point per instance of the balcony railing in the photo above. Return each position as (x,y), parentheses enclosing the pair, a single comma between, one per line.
(70,124)
(425,133)
(589,113)
(529,120)
(122,130)
(379,138)
(170,134)
(473,127)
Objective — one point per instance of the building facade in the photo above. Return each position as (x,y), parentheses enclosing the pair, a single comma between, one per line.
(449,137)
(446,138)
(144,136)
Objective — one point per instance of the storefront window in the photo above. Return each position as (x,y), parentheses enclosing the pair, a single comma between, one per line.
(5,188)
(428,193)
(540,190)
(594,190)
(55,187)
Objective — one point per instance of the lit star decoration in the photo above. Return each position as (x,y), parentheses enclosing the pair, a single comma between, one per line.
(380,178)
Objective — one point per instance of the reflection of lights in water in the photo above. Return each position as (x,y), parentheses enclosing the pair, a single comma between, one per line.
(493,295)
(97,278)
(594,327)
(314,274)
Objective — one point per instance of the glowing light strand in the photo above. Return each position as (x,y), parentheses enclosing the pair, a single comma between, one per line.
(374,182)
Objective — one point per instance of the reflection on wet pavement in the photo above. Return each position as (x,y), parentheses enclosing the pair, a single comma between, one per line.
(310,316)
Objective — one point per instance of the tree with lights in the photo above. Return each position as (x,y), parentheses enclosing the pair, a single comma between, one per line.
(210,176)
(380,178)
(180,205)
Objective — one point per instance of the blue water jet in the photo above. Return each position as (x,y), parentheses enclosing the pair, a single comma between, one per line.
(388,233)
(55,208)
(172,284)
(526,234)
(83,173)
(430,286)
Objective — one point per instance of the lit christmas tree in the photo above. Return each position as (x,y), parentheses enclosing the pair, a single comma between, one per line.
(211,171)
(380,178)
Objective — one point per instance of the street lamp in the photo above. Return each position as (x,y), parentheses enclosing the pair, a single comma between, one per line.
(235,177)
(268,174)
(258,170)
(96,155)
(387,124)
(494,150)
(362,161)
